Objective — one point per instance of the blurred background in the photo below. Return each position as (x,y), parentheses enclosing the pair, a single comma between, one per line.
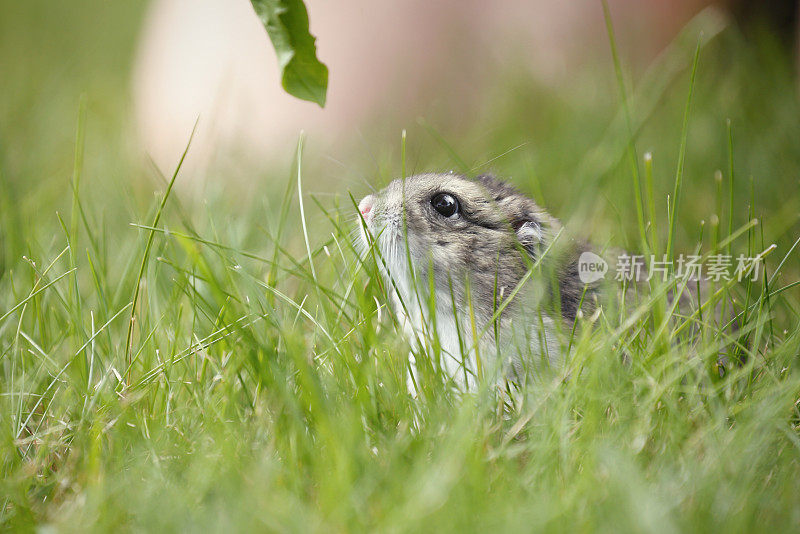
(525,89)
(390,62)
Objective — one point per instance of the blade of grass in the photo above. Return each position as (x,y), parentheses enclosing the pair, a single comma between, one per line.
(148,247)
(682,152)
(632,157)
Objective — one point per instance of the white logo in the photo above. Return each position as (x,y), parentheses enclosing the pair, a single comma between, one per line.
(591,267)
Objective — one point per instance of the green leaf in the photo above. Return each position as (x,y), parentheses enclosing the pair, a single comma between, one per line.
(302,74)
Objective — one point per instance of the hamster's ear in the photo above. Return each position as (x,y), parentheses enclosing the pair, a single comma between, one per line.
(530,234)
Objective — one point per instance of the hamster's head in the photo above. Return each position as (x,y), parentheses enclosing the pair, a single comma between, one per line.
(478,229)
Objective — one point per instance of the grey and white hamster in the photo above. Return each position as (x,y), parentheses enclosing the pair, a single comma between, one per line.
(473,241)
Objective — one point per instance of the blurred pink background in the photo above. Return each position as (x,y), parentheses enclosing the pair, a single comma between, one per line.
(389,61)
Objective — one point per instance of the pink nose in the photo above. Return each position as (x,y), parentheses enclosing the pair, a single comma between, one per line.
(365,206)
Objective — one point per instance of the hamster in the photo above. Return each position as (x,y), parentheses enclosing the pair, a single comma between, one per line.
(499,267)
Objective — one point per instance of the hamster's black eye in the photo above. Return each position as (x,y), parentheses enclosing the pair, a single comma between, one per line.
(446,204)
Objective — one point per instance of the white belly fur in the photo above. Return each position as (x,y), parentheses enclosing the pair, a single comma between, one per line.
(535,343)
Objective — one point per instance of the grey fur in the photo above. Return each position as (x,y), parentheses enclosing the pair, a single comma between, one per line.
(483,252)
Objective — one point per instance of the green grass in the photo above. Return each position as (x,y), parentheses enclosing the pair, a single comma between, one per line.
(172,364)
